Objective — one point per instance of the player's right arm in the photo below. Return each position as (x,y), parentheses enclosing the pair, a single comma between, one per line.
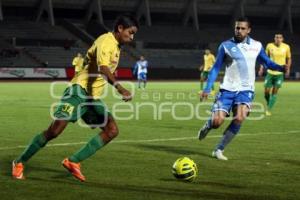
(213,74)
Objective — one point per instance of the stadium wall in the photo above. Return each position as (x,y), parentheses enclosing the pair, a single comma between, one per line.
(68,72)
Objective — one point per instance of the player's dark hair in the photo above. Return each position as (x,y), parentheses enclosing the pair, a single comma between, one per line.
(126,21)
(244,19)
(278,33)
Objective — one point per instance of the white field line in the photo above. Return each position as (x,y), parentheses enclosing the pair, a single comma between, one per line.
(157,140)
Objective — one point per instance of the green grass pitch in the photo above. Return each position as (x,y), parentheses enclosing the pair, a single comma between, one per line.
(264,159)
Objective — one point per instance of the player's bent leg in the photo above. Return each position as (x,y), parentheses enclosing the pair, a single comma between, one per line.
(110,131)
(72,164)
(273,99)
(218,119)
(55,129)
(38,142)
(74,169)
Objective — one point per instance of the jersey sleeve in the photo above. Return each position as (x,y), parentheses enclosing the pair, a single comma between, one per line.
(213,74)
(104,53)
(268,63)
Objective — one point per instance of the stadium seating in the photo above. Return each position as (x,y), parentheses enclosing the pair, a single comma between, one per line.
(166,44)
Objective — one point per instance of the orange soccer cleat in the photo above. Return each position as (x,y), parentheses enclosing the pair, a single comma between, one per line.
(73,168)
(17,170)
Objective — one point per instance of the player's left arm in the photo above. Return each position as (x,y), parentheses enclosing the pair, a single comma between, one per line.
(268,63)
(261,66)
(288,62)
(126,95)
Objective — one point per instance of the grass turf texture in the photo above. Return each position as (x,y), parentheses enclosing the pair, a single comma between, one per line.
(264,158)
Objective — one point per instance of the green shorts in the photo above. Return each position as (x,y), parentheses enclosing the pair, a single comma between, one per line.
(76,104)
(273,80)
(204,74)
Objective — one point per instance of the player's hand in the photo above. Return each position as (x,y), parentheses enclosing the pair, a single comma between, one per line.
(201,68)
(203,96)
(126,95)
(260,72)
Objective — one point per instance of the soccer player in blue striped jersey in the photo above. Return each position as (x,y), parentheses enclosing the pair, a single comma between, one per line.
(239,55)
(141,70)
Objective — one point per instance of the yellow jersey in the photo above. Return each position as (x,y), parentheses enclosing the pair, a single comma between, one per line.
(278,54)
(209,61)
(78,63)
(104,52)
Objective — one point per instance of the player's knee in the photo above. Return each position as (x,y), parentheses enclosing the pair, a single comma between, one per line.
(113,131)
(239,119)
(217,122)
(50,134)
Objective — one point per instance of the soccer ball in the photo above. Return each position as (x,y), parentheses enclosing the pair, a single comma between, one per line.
(185,169)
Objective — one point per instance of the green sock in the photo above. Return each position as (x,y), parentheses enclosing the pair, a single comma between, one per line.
(272,101)
(36,144)
(267,97)
(88,150)
(201,85)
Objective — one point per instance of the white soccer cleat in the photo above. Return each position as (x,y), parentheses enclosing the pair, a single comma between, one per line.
(219,155)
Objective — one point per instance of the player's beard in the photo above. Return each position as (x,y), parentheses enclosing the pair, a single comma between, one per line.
(239,38)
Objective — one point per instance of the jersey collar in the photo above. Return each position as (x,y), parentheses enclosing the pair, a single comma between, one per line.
(111,35)
(246,40)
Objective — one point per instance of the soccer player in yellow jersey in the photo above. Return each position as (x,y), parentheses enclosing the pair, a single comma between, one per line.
(83,100)
(209,60)
(280,53)
(78,63)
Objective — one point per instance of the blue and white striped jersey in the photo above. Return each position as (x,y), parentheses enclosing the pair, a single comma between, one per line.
(141,67)
(239,59)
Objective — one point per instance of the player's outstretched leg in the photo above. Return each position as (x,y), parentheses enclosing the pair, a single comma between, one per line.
(72,164)
(214,122)
(202,133)
(38,142)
